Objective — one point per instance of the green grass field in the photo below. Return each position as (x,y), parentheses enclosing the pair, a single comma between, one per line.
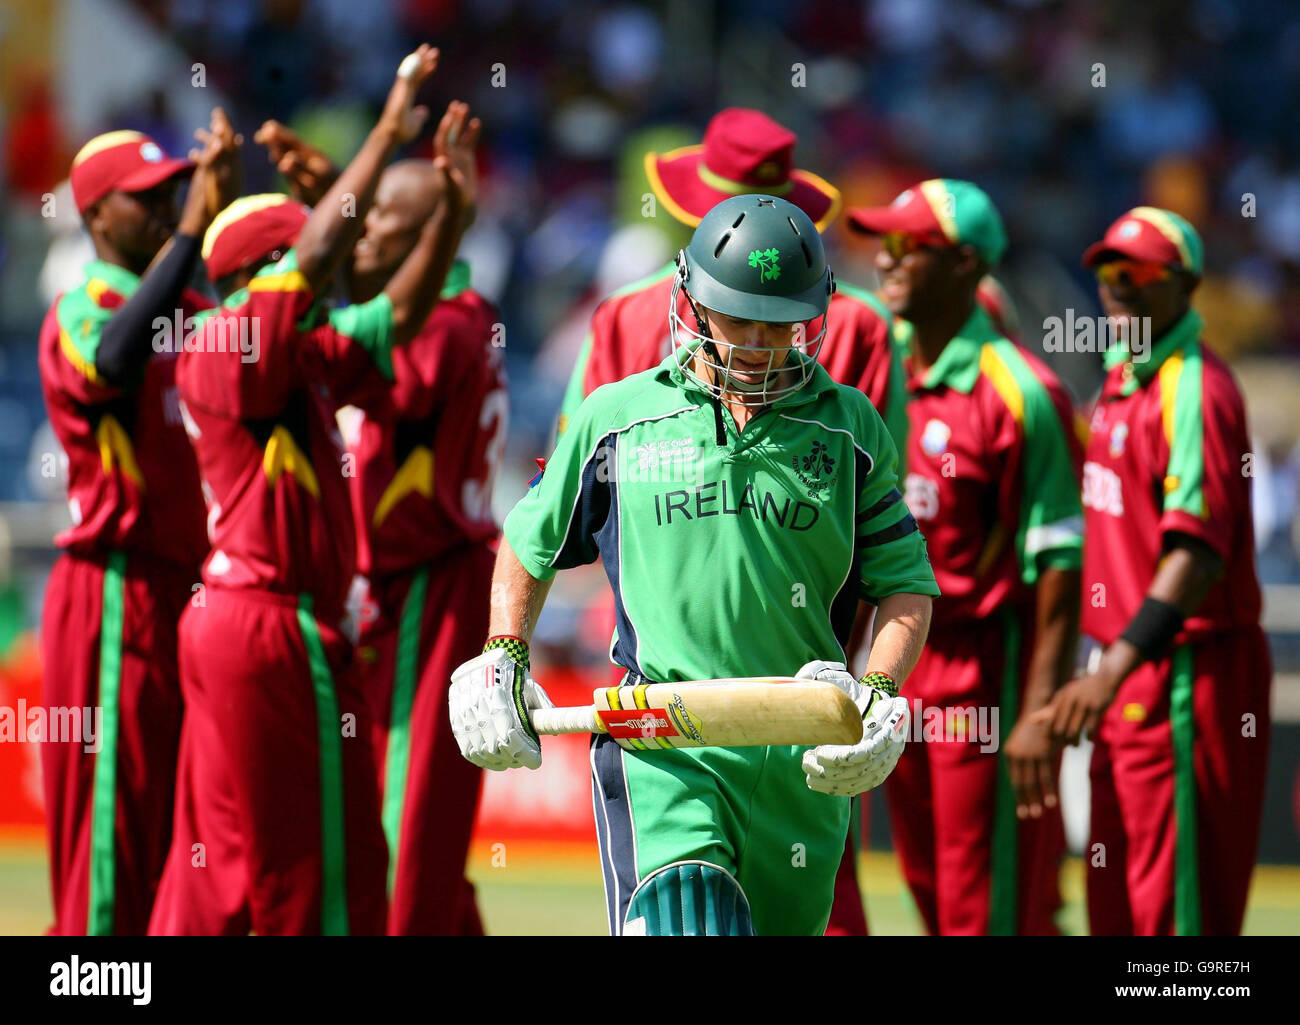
(556,891)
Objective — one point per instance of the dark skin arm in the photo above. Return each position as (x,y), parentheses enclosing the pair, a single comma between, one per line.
(1029,747)
(309,172)
(337,219)
(1186,572)
(415,285)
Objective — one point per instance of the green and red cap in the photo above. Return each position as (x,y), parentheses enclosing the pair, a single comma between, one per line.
(744,152)
(250,228)
(949,211)
(124,161)
(1150,235)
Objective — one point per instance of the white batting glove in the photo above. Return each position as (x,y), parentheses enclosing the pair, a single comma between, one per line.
(848,769)
(490,697)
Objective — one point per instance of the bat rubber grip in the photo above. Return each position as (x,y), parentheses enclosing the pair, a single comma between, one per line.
(552,721)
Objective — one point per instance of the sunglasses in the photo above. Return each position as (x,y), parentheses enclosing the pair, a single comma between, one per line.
(1132,273)
(899,243)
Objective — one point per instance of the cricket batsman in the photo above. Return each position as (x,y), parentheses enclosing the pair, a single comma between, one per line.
(131,556)
(276,787)
(744,150)
(769,508)
(1178,707)
(426,450)
(993,478)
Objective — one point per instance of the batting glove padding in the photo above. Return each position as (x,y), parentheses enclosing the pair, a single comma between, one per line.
(844,770)
(490,698)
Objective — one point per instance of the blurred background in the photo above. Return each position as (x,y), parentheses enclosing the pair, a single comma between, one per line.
(1067,113)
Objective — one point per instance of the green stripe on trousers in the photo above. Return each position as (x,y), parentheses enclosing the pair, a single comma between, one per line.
(405,671)
(334,897)
(1182,724)
(1005,853)
(103,815)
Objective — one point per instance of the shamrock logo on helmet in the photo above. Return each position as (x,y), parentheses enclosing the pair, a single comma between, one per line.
(766,262)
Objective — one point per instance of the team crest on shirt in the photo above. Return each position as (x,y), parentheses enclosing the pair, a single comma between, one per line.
(1118,438)
(934,439)
(816,469)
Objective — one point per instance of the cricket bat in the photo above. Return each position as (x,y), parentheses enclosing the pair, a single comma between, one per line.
(745,712)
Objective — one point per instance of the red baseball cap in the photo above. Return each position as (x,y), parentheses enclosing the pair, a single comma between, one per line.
(1151,235)
(952,211)
(250,228)
(744,152)
(124,161)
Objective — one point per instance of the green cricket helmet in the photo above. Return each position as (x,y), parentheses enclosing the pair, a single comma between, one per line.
(756,258)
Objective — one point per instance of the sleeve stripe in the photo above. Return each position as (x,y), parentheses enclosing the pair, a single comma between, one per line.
(84,366)
(605,439)
(1184,429)
(907,525)
(879,507)
(293,281)
(1061,534)
(577,501)
(995,368)
(837,430)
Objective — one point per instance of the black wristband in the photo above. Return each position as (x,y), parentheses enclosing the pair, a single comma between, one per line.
(1154,627)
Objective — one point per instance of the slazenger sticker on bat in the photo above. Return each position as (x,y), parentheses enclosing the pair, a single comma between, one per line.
(637,722)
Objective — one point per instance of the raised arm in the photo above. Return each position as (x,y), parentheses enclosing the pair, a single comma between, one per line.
(126,341)
(309,172)
(414,288)
(337,219)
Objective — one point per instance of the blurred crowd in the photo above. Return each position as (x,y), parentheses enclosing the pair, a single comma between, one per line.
(1067,113)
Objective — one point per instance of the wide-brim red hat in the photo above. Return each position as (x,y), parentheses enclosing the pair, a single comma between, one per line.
(744,151)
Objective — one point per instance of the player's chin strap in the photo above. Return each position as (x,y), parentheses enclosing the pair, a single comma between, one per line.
(702,326)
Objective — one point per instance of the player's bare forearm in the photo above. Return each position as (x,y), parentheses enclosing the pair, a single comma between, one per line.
(858,648)
(902,625)
(415,286)
(1056,620)
(1185,575)
(517,596)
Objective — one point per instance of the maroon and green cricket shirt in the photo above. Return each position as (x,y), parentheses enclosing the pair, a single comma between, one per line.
(993,462)
(1169,453)
(132,480)
(427,447)
(269,450)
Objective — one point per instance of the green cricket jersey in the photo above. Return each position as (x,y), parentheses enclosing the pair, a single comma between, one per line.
(729,553)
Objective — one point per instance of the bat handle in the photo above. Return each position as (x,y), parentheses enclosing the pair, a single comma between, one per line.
(551,721)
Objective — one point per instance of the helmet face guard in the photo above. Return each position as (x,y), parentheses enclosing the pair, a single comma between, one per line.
(779,371)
